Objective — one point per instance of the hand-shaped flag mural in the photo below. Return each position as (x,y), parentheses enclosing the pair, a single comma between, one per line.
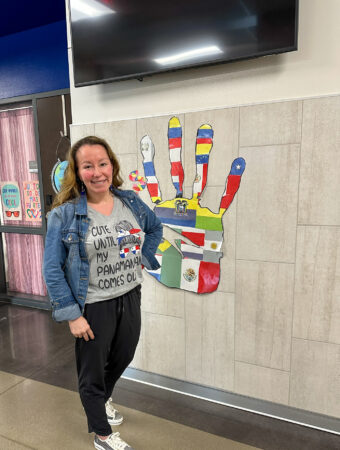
(193,267)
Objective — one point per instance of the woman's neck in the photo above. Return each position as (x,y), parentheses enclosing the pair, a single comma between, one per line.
(102,204)
(106,197)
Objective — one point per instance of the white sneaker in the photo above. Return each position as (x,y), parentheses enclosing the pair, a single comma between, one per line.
(113,416)
(113,442)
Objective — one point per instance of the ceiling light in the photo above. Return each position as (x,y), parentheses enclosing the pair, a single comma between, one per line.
(83,9)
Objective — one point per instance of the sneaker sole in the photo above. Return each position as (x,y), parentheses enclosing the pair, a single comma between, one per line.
(115,423)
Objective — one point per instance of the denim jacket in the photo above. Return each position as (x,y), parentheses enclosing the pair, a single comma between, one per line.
(66,267)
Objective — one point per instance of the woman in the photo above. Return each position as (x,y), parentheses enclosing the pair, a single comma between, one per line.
(98,239)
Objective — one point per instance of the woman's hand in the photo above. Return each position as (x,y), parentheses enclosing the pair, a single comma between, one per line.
(80,328)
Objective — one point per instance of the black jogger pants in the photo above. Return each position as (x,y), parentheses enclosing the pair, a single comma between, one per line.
(100,362)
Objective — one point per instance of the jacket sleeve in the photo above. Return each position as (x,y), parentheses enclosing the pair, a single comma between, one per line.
(64,305)
(153,230)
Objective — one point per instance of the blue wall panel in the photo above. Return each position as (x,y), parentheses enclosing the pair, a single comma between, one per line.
(34,61)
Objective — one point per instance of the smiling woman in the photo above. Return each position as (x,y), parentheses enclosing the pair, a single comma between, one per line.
(87,160)
(97,239)
(95,172)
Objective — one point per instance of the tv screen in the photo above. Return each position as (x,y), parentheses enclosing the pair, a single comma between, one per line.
(120,39)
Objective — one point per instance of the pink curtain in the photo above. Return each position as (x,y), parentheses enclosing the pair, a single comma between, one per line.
(17,148)
(23,253)
(24,263)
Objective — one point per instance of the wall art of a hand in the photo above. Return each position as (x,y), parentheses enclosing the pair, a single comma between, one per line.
(194,265)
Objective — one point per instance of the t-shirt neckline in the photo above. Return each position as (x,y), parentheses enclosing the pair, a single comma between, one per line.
(104,215)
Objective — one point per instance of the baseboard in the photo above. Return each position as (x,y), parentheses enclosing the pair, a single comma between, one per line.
(29,300)
(232,400)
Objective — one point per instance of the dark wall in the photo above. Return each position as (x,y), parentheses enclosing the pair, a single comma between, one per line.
(52,145)
(34,61)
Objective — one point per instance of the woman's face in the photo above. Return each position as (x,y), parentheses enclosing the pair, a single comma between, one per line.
(94,169)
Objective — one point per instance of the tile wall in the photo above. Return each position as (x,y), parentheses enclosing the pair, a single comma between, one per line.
(272,329)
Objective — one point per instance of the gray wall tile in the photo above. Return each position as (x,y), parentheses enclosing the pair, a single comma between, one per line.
(164,345)
(138,361)
(120,135)
(148,293)
(315,377)
(160,299)
(267,204)
(210,339)
(79,131)
(263,314)
(271,123)
(261,382)
(317,286)
(169,301)
(320,162)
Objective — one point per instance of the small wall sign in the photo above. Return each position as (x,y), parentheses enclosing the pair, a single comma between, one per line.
(10,198)
(32,205)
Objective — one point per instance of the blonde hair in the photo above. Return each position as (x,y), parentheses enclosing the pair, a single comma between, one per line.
(71,184)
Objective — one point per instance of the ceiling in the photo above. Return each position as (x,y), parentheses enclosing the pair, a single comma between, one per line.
(21,15)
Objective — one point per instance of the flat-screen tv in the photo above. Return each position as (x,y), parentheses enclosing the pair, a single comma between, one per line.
(121,39)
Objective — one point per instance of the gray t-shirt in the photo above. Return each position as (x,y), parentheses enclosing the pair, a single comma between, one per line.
(113,246)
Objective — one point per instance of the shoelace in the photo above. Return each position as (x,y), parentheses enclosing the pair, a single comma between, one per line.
(116,442)
(111,408)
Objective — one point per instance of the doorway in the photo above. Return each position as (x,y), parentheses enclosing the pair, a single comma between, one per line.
(29,148)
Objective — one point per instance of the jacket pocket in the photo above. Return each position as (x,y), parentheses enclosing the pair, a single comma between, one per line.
(71,242)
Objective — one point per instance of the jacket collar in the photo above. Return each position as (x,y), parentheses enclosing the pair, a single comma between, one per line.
(81,205)
(122,193)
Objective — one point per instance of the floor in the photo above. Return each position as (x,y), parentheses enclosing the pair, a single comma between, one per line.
(40,408)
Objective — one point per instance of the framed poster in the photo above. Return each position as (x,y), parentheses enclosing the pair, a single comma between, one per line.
(32,205)
(10,198)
